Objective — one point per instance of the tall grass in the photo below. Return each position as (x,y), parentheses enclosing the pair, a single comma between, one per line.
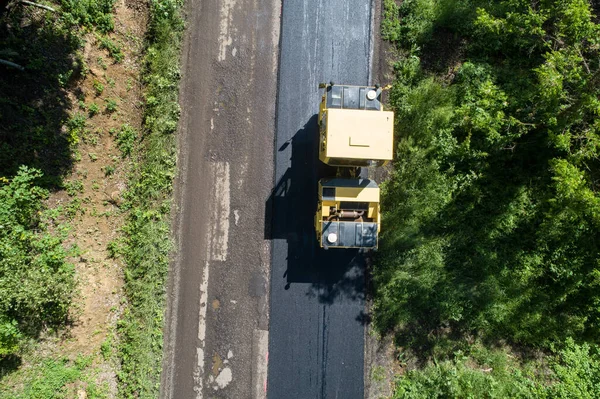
(149,196)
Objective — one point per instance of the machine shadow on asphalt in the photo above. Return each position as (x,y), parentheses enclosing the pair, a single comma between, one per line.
(335,274)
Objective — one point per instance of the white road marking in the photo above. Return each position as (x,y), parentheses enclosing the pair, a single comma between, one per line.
(224,378)
(275,35)
(220,204)
(224,28)
(199,371)
(236,216)
(203,304)
(244,165)
(217,250)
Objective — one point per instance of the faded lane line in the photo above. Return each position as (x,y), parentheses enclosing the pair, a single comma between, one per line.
(218,237)
(220,204)
(275,35)
(225,22)
(199,371)
(244,163)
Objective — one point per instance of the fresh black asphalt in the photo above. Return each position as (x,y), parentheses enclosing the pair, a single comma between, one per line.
(316,332)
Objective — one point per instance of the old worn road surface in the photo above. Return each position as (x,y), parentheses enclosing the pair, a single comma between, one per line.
(316,335)
(217,319)
(246,190)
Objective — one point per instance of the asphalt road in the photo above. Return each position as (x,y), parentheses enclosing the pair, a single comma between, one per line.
(217,319)
(316,334)
(235,233)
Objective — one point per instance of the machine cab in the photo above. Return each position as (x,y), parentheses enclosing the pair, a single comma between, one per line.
(354,129)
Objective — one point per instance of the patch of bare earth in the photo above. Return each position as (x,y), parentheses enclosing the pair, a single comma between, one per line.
(102,171)
(384,365)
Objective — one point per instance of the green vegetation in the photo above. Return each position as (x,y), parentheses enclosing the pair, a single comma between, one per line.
(109,170)
(126,139)
(93,109)
(98,88)
(90,14)
(148,228)
(37,282)
(55,379)
(39,135)
(492,214)
(494,374)
(34,104)
(114,50)
(111,105)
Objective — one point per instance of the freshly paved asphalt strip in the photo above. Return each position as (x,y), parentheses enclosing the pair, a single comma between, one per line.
(217,320)
(316,334)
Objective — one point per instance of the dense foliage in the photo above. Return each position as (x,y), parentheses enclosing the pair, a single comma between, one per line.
(36,283)
(492,215)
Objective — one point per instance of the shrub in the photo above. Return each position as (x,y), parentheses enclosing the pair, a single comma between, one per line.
(93,109)
(37,282)
(98,88)
(113,49)
(109,170)
(571,371)
(90,13)
(126,139)
(111,105)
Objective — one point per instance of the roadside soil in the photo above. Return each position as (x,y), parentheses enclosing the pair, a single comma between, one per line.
(100,219)
(98,180)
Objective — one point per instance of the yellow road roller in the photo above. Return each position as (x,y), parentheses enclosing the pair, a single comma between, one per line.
(354,131)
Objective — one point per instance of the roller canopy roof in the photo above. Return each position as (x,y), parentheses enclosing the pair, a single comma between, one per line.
(359,134)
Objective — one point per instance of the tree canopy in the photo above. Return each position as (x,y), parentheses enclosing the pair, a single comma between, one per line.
(492,214)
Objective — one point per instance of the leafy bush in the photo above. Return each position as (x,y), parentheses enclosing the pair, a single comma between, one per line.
(74,187)
(126,139)
(455,379)
(390,24)
(76,126)
(90,13)
(114,50)
(93,109)
(109,170)
(98,88)
(10,337)
(111,105)
(37,282)
(576,372)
